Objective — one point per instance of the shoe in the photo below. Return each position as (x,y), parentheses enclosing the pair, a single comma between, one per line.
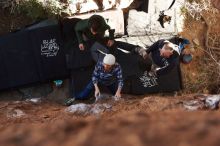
(69,101)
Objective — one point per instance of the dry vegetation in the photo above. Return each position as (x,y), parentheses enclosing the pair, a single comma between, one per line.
(202,75)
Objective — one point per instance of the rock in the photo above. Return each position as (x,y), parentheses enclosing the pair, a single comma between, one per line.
(193,105)
(196,42)
(192,49)
(212,102)
(34,100)
(46,116)
(56,109)
(203,102)
(78,109)
(15,113)
(86,109)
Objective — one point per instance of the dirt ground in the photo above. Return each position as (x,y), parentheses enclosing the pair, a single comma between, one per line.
(137,120)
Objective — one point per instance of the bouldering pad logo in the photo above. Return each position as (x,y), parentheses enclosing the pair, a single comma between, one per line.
(148,80)
(49,48)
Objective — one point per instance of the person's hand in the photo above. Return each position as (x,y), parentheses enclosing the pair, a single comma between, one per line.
(110,43)
(117,96)
(145,55)
(152,73)
(142,52)
(97,94)
(81,47)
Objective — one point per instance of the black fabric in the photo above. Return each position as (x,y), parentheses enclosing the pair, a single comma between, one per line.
(51,64)
(129,63)
(78,79)
(17,58)
(24,61)
(144,83)
(3,73)
(79,59)
(40,54)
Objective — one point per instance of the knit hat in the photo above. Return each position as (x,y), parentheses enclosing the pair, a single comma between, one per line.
(109,59)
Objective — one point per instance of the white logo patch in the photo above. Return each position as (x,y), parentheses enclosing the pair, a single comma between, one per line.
(148,80)
(49,48)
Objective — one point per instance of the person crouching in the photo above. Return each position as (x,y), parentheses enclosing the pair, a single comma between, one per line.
(107,73)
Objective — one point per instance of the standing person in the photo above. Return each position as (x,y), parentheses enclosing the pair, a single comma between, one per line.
(93,29)
(108,73)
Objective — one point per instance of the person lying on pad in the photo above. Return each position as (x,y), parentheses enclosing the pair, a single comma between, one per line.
(164,57)
(107,73)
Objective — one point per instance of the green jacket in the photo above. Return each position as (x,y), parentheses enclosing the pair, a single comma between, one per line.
(82,27)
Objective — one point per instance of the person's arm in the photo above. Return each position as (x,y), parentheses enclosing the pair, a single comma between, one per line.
(95,77)
(105,27)
(79,28)
(111,33)
(97,91)
(155,46)
(120,81)
(167,67)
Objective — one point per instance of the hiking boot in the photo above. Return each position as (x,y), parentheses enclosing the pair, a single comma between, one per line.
(69,101)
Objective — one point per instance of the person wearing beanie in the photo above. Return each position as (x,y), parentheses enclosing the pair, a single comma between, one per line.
(107,73)
(164,56)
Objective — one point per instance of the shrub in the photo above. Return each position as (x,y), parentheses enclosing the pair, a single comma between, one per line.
(37,10)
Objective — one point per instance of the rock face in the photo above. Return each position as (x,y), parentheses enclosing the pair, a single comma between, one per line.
(114,18)
(141,23)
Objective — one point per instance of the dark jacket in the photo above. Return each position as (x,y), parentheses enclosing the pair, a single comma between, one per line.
(83,27)
(165,64)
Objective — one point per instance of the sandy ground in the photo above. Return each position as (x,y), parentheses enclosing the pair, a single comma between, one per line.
(137,120)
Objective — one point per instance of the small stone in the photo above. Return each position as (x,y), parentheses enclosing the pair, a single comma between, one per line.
(56,109)
(196,42)
(46,116)
(192,49)
(15,113)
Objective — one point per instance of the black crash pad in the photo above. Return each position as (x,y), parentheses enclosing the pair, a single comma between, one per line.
(46,52)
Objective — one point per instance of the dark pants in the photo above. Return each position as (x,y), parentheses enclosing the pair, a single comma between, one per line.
(124,45)
(90,87)
(96,47)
